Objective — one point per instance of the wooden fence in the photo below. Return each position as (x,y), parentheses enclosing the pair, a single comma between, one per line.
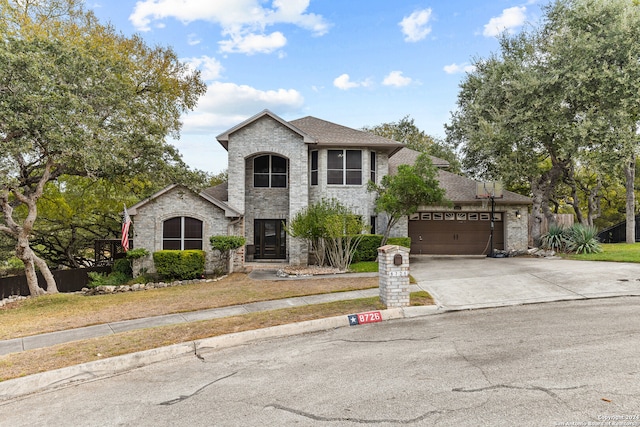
(71,280)
(563,220)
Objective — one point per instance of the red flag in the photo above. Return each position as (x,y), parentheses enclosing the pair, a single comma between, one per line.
(126,223)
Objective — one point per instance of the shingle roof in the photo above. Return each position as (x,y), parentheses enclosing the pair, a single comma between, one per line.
(407,156)
(218,192)
(458,188)
(328,134)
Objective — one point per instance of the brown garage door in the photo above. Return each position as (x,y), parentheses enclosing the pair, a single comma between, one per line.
(455,233)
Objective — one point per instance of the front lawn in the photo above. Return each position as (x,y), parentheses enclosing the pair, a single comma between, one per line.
(617,252)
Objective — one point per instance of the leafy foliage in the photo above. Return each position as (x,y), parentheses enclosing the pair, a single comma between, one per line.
(557,99)
(402,194)
(583,239)
(555,239)
(331,229)
(181,265)
(225,247)
(408,133)
(78,98)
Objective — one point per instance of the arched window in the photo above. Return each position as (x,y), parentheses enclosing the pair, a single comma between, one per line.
(182,233)
(270,171)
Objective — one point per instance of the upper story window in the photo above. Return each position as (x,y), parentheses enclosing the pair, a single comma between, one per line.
(374,165)
(314,167)
(182,233)
(344,167)
(270,171)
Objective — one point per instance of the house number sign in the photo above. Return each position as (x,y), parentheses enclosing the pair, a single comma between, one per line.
(362,318)
(398,273)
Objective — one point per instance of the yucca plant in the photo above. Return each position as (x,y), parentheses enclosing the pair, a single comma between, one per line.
(582,239)
(555,239)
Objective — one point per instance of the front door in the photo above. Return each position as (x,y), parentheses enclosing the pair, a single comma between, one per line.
(269,239)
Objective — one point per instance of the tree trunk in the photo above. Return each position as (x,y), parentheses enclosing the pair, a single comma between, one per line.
(25,254)
(630,177)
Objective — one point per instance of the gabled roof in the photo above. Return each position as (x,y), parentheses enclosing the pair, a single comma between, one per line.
(332,134)
(223,138)
(219,192)
(407,156)
(229,211)
(459,189)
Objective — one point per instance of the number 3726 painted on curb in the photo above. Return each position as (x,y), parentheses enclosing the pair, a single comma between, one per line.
(362,318)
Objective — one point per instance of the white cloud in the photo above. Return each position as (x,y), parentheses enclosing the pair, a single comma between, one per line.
(209,67)
(415,26)
(253,43)
(227,104)
(193,39)
(395,78)
(510,19)
(344,82)
(243,21)
(459,68)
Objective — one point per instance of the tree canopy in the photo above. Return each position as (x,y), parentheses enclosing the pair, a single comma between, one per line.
(402,194)
(556,101)
(406,131)
(78,98)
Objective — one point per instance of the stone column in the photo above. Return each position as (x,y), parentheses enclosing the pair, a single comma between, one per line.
(393,273)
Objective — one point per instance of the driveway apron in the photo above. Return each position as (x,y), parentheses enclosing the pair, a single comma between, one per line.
(459,283)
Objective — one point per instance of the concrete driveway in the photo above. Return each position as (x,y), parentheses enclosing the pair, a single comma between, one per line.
(459,283)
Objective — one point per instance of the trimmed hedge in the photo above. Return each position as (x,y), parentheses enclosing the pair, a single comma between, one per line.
(180,265)
(368,248)
(400,241)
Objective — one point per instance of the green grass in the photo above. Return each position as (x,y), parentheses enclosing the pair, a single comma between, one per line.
(364,267)
(617,252)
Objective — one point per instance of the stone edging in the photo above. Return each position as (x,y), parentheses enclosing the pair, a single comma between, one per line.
(102,290)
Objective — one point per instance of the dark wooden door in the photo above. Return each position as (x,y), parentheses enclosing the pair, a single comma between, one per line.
(269,239)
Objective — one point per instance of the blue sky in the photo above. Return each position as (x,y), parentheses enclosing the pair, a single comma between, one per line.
(353,62)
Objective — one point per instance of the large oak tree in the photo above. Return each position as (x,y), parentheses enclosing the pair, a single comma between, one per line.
(554,99)
(77,98)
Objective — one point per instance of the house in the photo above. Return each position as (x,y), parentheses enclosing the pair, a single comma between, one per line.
(277,168)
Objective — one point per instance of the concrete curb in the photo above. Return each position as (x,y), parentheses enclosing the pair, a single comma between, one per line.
(97,369)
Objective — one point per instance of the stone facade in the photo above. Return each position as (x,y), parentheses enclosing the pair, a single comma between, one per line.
(394,276)
(177,202)
(236,209)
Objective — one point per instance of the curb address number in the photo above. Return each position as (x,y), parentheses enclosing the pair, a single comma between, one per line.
(362,318)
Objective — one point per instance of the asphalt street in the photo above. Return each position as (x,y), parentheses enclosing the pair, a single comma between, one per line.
(561,363)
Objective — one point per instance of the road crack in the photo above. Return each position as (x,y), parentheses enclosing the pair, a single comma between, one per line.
(356,420)
(195,393)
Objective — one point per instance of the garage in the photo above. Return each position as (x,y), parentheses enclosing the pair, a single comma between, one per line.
(455,233)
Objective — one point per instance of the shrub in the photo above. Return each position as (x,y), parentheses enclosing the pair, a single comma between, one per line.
(555,239)
(180,265)
(582,239)
(137,253)
(123,266)
(400,241)
(225,246)
(115,278)
(367,249)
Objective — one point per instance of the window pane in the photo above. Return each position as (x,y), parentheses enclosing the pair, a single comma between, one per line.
(171,245)
(334,177)
(334,159)
(261,164)
(354,177)
(314,160)
(192,228)
(261,180)
(278,181)
(172,228)
(193,244)
(278,164)
(314,177)
(354,159)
